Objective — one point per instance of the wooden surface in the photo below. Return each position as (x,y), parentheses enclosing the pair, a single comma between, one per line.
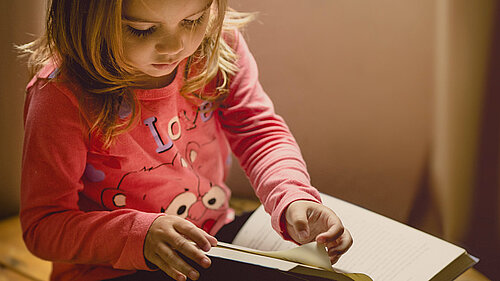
(472,275)
(9,275)
(18,264)
(16,261)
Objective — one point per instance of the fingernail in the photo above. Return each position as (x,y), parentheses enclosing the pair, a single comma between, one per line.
(205,262)
(193,275)
(321,240)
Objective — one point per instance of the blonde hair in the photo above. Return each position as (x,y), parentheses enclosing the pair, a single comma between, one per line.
(84,39)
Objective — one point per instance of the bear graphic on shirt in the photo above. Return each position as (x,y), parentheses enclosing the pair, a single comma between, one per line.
(183,191)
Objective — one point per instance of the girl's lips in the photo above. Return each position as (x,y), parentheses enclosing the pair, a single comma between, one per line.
(162,66)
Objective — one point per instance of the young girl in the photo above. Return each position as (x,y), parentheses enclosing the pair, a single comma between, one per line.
(130,120)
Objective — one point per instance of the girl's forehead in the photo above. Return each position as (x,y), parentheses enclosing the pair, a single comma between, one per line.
(162,10)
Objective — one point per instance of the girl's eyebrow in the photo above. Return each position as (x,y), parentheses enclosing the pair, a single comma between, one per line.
(134,19)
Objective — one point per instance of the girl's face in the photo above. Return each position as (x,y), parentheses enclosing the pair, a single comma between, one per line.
(159,34)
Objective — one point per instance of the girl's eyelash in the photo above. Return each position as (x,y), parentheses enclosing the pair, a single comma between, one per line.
(193,23)
(139,32)
(143,33)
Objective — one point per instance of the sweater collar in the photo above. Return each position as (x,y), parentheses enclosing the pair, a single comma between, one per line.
(170,89)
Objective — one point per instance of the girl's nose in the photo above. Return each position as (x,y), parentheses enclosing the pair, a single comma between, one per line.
(170,44)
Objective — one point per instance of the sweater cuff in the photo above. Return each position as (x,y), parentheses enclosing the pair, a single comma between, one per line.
(132,256)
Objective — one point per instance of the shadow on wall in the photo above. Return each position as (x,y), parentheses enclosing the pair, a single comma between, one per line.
(484,233)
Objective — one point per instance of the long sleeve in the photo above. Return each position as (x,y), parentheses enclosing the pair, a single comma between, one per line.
(54,228)
(262,142)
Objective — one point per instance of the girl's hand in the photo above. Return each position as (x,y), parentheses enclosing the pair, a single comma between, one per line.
(168,234)
(307,221)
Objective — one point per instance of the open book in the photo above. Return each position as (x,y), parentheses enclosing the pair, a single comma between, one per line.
(306,260)
(383,249)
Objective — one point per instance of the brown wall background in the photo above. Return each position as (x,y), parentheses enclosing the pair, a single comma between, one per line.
(353,79)
(393,102)
(20,20)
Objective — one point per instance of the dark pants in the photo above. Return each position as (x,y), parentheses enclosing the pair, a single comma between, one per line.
(222,269)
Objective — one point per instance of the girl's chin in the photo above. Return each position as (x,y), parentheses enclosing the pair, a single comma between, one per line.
(157,80)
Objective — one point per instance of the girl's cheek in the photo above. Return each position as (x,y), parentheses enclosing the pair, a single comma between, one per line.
(198,38)
(133,49)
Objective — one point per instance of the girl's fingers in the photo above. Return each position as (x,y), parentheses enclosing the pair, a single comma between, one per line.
(175,264)
(169,234)
(188,249)
(334,255)
(343,244)
(211,239)
(330,236)
(346,241)
(336,252)
(197,235)
(334,259)
(167,268)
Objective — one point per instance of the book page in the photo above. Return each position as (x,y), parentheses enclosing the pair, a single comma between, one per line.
(311,254)
(246,257)
(383,248)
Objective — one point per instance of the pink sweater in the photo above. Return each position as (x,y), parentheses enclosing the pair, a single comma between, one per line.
(88,209)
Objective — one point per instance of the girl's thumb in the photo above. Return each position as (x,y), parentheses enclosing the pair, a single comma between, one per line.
(300,224)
